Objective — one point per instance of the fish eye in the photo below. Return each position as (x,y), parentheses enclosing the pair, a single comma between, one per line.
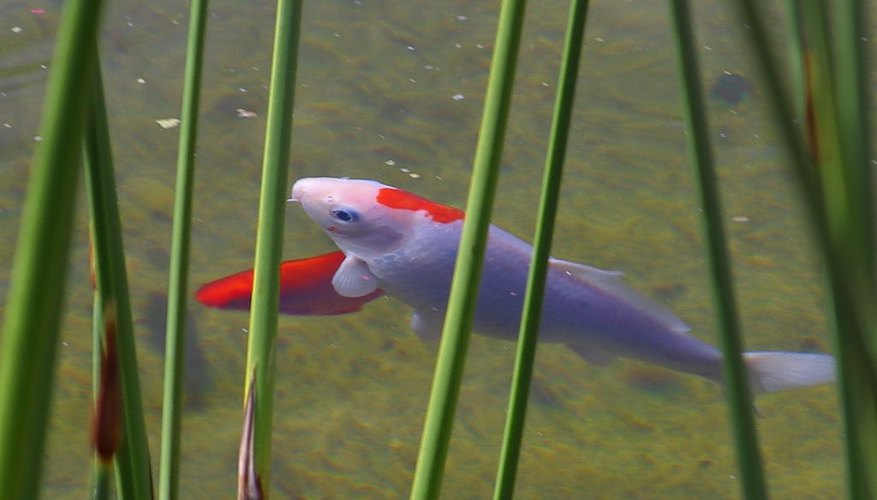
(345,214)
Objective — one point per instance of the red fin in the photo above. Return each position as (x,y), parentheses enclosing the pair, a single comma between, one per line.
(396,198)
(305,289)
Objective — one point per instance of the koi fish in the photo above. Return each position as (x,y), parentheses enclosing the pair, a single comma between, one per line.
(399,244)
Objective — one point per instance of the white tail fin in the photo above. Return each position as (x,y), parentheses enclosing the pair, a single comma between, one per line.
(777,371)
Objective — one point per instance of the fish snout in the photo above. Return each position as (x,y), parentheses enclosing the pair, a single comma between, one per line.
(299,190)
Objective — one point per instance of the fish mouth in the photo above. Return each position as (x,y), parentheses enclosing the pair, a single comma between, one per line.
(298,189)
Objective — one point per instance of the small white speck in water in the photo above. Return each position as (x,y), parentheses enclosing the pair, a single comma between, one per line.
(168,123)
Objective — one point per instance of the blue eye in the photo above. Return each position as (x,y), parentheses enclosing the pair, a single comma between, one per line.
(345,214)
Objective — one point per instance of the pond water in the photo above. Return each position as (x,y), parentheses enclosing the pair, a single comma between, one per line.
(393,91)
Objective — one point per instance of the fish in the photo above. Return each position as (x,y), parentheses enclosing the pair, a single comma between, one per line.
(399,244)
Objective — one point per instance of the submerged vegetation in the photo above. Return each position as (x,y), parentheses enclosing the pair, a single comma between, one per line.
(823,127)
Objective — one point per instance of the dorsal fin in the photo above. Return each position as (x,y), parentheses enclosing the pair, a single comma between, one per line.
(611,282)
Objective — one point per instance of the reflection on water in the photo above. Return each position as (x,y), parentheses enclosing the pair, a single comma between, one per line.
(394,93)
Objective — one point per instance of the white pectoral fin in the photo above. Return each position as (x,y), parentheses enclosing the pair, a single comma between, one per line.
(353,278)
(611,282)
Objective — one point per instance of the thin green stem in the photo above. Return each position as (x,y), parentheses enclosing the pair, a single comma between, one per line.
(470,257)
(533,298)
(735,374)
(269,241)
(174,369)
(132,459)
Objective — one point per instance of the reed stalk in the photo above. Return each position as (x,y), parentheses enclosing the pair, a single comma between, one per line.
(269,240)
(736,380)
(470,257)
(830,163)
(533,298)
(174,368)
(34,304)
(836,125)
(133,474)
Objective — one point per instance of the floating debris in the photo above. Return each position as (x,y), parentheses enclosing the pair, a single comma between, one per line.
(167,123)
(243,113)
(458,97)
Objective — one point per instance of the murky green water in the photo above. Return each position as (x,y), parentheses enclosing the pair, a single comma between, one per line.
(393,91)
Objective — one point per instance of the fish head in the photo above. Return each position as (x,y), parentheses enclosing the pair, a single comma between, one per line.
(366,217)
(349,211)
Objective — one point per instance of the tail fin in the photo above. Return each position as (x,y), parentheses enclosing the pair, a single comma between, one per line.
(777,371)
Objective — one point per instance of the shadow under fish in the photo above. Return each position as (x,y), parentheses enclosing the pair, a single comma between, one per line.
(196,381)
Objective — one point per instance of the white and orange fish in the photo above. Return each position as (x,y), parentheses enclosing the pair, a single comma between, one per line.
(396,243)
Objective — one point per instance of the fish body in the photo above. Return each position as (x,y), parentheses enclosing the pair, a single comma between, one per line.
(403,245)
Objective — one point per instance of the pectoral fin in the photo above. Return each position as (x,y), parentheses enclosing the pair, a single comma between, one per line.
(426,329)
(354,279)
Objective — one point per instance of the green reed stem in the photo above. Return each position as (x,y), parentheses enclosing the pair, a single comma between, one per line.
(33,307)
(533,298)
(132,459)
(174,367)
(470,257)
(735,374)
(836,122)
(269,241)
(853,106)
(101,472)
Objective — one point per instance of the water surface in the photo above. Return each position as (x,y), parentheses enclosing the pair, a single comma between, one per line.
(393,91)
